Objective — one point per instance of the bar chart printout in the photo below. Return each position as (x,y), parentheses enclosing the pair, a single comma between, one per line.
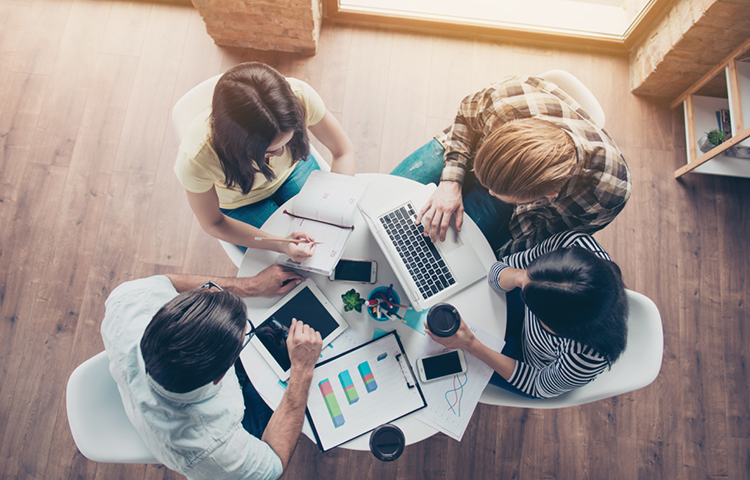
(348,386)
(333,406)
(367,377)
(376,391)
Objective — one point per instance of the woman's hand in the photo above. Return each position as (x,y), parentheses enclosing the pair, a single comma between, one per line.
(463,339)
(301,250)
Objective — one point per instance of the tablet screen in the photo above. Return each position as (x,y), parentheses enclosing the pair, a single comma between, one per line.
(305,307)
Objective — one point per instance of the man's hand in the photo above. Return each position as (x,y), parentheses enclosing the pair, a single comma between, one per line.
(274,281)
(303,344)
(302,250)
(445,204)
(282,431)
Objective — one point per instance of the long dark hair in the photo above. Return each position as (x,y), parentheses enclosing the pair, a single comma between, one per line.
(252,105)
(579,296)
(194,339)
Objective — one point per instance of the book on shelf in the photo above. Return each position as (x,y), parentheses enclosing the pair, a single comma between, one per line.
(325,208)
(723,119)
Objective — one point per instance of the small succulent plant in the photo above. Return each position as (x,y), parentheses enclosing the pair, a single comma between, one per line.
(352,301)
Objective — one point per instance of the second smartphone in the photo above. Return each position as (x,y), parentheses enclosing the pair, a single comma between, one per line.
(441,365)
(361,271)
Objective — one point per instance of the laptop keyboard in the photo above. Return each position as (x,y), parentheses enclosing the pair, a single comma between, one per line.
(422,259)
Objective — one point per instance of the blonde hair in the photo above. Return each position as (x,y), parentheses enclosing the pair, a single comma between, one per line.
(525,159)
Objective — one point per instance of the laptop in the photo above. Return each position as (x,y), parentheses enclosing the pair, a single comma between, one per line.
(429,273)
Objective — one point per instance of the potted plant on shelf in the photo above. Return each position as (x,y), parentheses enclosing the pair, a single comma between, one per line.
(716,137)
(711,139)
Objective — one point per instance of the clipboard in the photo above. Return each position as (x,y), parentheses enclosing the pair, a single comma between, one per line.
(358,390)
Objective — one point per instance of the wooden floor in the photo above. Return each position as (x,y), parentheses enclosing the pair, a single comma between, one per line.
(88,200)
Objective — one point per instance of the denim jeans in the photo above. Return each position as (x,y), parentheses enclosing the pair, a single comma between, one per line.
(513,338)
(257,213)
(257,413)
(491,215)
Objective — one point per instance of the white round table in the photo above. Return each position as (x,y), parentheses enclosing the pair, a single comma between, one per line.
(478,303)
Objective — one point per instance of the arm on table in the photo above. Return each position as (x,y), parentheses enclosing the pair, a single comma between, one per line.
(274,281)
(215,223)
(285,425)
(463,339)
(330,134)
(445,206)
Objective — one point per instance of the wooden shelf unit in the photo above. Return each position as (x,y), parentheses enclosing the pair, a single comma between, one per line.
(700,117)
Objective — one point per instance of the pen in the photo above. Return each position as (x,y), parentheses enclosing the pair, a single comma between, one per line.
(287,240)
(390,304)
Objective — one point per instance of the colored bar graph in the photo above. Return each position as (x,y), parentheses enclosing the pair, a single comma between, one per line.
(333,406)
(367,377)
(348,386)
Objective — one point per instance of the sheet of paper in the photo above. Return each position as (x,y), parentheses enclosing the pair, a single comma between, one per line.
(352,394)
(451,401)
(332,241)
(344,342)
(330,197)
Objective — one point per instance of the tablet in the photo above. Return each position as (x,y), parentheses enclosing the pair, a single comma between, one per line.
(305,303)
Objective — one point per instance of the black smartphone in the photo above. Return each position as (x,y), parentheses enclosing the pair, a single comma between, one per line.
(360,271)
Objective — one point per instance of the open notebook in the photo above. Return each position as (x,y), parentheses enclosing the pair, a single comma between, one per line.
(326,208)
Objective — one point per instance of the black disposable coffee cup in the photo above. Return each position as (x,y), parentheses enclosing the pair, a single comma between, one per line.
(387,442)
(443,320)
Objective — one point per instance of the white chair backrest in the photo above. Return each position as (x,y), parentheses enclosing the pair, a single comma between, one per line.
(184,112)
(576,89)
(97,419)
(191,104)
(636,368)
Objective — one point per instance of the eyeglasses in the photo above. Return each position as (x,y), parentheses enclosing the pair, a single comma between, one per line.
(249,335)
(210,284)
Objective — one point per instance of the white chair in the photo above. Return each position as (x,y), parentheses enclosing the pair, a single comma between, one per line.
(100,428)
(184,112)
(636,368)
(576,89)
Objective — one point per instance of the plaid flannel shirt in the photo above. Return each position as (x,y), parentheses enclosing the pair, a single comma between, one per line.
(600,184)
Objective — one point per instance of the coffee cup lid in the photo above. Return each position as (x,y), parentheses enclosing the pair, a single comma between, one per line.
(387,442)
(443,320)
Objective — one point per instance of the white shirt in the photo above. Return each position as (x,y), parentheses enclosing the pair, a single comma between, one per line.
(198,434)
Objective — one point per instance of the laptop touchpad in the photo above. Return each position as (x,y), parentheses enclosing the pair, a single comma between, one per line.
(452,241)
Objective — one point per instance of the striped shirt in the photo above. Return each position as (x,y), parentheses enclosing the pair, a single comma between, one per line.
(551,365)
(600,183)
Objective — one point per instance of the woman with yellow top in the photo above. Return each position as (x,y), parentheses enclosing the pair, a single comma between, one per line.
(240,159)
